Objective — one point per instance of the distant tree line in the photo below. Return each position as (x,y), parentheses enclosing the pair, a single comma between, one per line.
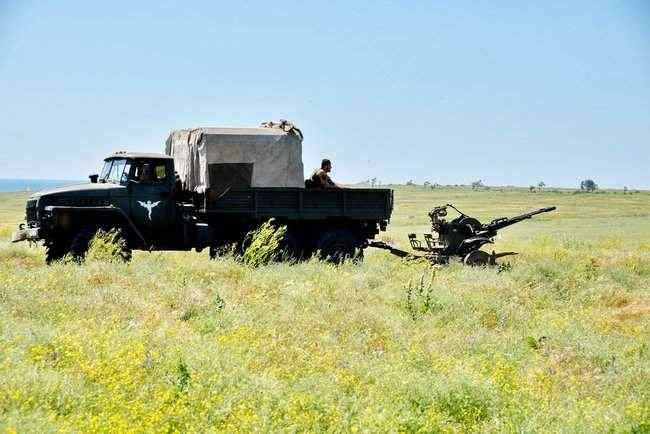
(586,186)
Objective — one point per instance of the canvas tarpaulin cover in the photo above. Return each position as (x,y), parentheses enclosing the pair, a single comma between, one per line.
(274,151)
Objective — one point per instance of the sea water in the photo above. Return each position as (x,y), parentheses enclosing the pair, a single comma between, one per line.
(9,185)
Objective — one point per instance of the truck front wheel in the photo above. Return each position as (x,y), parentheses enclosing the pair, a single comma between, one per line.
(338,245)
(55,249)
(81,243)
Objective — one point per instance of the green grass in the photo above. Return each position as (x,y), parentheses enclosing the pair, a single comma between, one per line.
(176,342)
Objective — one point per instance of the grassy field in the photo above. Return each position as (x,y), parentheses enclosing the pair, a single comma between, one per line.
(559,342)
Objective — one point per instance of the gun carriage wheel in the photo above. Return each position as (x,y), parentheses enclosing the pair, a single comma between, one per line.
(477,258)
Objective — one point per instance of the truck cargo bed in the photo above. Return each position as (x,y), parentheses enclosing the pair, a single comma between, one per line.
(301,204)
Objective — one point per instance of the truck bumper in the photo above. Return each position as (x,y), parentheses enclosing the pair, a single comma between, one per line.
(29,234)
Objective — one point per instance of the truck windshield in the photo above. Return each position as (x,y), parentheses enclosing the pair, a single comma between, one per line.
(105,170)
(115,171)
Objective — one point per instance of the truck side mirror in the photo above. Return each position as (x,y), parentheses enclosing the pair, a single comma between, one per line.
(93,178)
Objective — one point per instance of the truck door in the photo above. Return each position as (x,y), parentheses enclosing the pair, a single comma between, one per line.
(152,207)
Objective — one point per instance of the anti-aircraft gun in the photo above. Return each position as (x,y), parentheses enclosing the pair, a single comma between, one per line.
(460,237)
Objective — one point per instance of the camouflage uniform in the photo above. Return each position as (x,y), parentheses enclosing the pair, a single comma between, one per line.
(320,179)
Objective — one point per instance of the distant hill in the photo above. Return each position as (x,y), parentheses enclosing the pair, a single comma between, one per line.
(9,185)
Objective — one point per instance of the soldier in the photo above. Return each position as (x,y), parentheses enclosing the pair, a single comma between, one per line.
(320,178)
(144,173)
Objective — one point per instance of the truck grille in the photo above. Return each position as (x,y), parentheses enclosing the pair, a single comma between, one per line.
(30,211)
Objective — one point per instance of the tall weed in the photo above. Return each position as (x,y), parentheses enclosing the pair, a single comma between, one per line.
(264,244)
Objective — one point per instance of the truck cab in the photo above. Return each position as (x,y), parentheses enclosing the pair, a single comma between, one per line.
(148,181)
(134,192)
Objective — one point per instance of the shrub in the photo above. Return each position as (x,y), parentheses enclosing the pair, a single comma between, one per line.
(108,247)
(264,244)
(588,185)
(477,184)
(183,376)
(465,404)
(419,297)
(218,303)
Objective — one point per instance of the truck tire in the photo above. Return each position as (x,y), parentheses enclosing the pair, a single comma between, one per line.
(338,245)
(291,248)
(55,249)
(221,250)
(81,243)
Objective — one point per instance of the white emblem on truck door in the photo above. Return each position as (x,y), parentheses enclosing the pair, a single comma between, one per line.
(149,206)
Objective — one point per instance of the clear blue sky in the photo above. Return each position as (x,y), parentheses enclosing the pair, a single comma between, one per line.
(512,92)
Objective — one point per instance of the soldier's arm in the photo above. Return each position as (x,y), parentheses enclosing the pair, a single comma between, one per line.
(330,183)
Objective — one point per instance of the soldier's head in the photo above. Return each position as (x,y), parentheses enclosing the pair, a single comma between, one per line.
(326,165)
(145,173)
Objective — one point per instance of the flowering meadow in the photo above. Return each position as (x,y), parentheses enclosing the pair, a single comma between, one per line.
(555,340)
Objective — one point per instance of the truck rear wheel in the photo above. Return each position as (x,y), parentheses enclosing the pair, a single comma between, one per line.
(338,245)
(291,248)
(221,250)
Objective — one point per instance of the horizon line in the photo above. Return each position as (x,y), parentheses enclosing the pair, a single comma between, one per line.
(546,187)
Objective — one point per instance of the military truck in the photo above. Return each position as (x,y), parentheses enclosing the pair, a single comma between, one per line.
(210,188)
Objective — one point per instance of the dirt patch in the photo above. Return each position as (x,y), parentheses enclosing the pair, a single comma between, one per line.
(636,309)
